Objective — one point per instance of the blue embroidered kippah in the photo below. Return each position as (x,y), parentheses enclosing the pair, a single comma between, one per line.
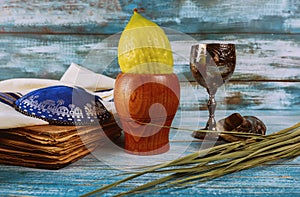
(63,105)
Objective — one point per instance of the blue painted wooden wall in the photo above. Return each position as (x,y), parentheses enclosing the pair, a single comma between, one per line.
(189,16)
(41,39)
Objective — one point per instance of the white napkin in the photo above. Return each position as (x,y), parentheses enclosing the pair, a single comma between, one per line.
(74,76)
(79,76)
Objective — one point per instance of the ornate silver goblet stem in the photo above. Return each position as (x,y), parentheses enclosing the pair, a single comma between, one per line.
(211,104)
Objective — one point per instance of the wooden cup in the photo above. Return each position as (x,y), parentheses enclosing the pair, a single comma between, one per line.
(145,103)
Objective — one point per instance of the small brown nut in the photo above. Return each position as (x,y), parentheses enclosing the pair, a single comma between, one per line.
(237,123)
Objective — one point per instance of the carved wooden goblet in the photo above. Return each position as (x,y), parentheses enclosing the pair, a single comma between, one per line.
(146,105)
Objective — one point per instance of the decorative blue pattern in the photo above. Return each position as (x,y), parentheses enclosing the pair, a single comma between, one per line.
(63,105)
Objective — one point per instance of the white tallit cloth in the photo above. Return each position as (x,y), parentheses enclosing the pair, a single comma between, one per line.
(74,76)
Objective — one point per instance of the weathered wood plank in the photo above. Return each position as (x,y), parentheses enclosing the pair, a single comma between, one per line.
(259,56)
(244,96)
(189,16)
(270,181)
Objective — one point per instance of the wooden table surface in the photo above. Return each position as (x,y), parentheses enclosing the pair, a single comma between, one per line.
(92,172)
(41,39)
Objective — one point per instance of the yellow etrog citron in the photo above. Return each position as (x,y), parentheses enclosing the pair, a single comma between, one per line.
(144,48)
